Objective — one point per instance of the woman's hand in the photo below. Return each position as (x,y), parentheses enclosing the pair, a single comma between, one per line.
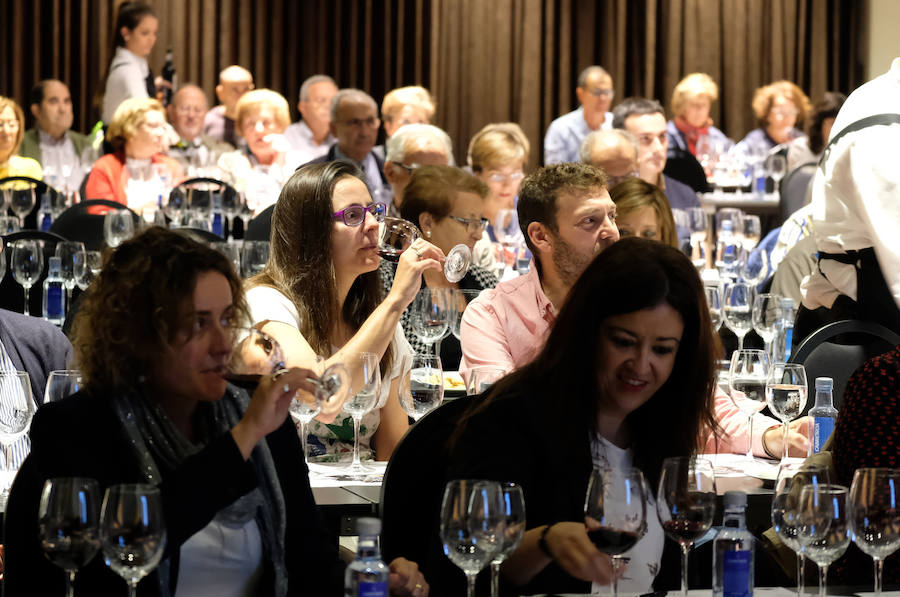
(798,442)
(406,579)
(269,406)
(420,256)
(573,552)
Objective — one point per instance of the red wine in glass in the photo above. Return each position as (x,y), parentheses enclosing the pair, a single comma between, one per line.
(612,541)
(390,254)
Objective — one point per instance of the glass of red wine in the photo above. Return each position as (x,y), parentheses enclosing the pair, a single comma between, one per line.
(395,235)
(69,524)
(686,504)
(615,513)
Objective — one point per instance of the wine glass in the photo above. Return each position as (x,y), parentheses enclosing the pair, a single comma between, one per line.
(714,302)
(175,206)
(27,265)
(615,513)
(364,400)
(738,304)
(698,224)
(747,385)
(69,524)
(765,317)
(513,504)
(791,478)
(118,226)
(483,377)
(132,531)
(753,267)
(2,263)
(254,353)
(232,202)
(464,296)
(15,419)
(254,255)
(422,390)
(395,235)
(752,231)
(333,383)
(62,383)
(22,202)
(786,391)
(686,504)
(457,263)
(8,224)
(72,260)
(875,514)
(93,263)
(776,165)
(823,526)
(472,516)
(432,311)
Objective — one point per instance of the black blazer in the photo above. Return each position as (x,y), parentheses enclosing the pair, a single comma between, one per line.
(332,156)
(35,346)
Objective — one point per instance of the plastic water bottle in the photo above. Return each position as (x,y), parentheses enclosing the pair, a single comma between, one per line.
(733,550)
(784,336)
(218,216)
(822,416)
(54,293)
(727,250)
(367,575)
(45,213)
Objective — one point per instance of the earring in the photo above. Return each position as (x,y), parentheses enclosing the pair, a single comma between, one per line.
(428,234)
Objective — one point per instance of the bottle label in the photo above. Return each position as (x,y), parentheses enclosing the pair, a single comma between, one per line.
(54,302)
(217,227)
(372,589)
(822,429)
(736,574)
(46,222)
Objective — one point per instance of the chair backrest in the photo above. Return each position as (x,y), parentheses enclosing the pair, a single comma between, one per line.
(12,295)
(260,227)
(84,222)
(794,187)
(838,349)
(202,189)
(201,234)
(684,167)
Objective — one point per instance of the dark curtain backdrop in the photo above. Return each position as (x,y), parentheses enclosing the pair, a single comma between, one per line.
(485,61)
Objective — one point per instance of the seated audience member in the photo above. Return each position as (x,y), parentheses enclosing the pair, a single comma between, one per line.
(354,122)
(614,151)
(803,150)
(646,120)
(311,137)
(321,294)
(642,210)
(635,389)
(448,206)
(780,109)
(266,162)
(194,149)
(12,129)
(564,135)
(51,141)
(220,123)
(692,100)
(137,133)
(129,75)
(406,105)
(411,147)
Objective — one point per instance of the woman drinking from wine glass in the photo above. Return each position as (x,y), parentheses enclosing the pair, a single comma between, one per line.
(153,340)
(625,379)
(447,206)
(320,294)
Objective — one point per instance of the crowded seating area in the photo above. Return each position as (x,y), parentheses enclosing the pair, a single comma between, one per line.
(355,354)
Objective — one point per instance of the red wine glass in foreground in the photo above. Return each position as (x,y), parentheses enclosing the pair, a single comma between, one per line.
(686,504)
(69,524)
(615,513)
(395,235)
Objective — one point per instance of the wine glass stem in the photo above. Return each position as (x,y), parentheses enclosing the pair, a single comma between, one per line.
(823,579)
(132,589)
(800,571)
(750,437)
(784,440)
(356,462)
(685,549)
(879,568)
(470,582)
(26,311)
(740,338)
(495,578)
(70,583)
(230,220)
(303,439)
(615,577)
(769,345)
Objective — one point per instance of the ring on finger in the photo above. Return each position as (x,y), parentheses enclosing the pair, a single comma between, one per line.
(418,253)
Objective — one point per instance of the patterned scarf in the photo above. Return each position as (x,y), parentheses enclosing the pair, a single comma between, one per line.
(691,133)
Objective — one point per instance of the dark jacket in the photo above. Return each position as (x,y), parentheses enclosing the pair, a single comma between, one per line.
(332,156)
(34,346)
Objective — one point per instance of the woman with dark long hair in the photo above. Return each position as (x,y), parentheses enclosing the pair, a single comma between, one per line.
(129,75)
(625,379)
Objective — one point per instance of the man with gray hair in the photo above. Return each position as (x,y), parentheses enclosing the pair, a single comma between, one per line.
(564,135)
(354,123)
(615,152)
(311,137)
(411,146)
(186,114)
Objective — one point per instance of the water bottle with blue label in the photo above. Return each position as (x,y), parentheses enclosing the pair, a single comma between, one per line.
(733,550)
(54,293)
(367,575)
(822,416)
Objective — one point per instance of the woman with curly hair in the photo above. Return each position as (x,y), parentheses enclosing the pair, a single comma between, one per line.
(781,108)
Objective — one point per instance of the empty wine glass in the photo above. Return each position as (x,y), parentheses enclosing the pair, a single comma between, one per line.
(752,231)
(333,383)
(823,530)
(175,207)
(422,390)
(698,223)
(464,296)
(472,520)
(457,263)
(765,317)
(786,391)
(752,267)
(254,353)
(395,236)
(230,250)
(72,263)
(482,377)
(363,400)
(513,501)
(714,302)
(27,265)
(254,255)
(686,504)
(22,202)
(432,311)
(875,514)
(118,226)
(8,224)
(16,412)
(747,385)
(791,478)
(738,304)
(132,531)
(615,513)
(61,384)
(93,263)
(232,202)
(776,165)
(69,524)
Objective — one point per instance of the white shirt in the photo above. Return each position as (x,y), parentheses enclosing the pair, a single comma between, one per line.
(127,78)
(300,136)
(261,184)
(60,162)
(13,393)
(221,561)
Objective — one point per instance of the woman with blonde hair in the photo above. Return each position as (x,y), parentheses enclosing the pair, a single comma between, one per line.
(406,105)
(692,99)
(642,210)
(781,108)
(12,130)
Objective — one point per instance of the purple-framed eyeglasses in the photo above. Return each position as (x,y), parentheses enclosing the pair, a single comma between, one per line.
(355,215)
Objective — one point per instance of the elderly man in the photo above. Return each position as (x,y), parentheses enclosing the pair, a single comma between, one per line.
(615,152)
(186,114)
(565,134)
(311,137)
(234,82)
(354,122)
(646,120)
(51,141)
(412,146)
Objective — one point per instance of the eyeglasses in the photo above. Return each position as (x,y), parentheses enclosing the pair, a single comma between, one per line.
(355,215)
(614,180)
(472,224)
(369,122)
(409,169)
(784,112)
(10,125)
(511,177)
(598,92)
(184,110)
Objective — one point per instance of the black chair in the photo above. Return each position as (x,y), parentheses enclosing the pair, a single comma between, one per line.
(12,295)
(40,188)
(684,167)
(260,227)
(200,191)
(202,235)
(838,349)
(84,222)
(794,188)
